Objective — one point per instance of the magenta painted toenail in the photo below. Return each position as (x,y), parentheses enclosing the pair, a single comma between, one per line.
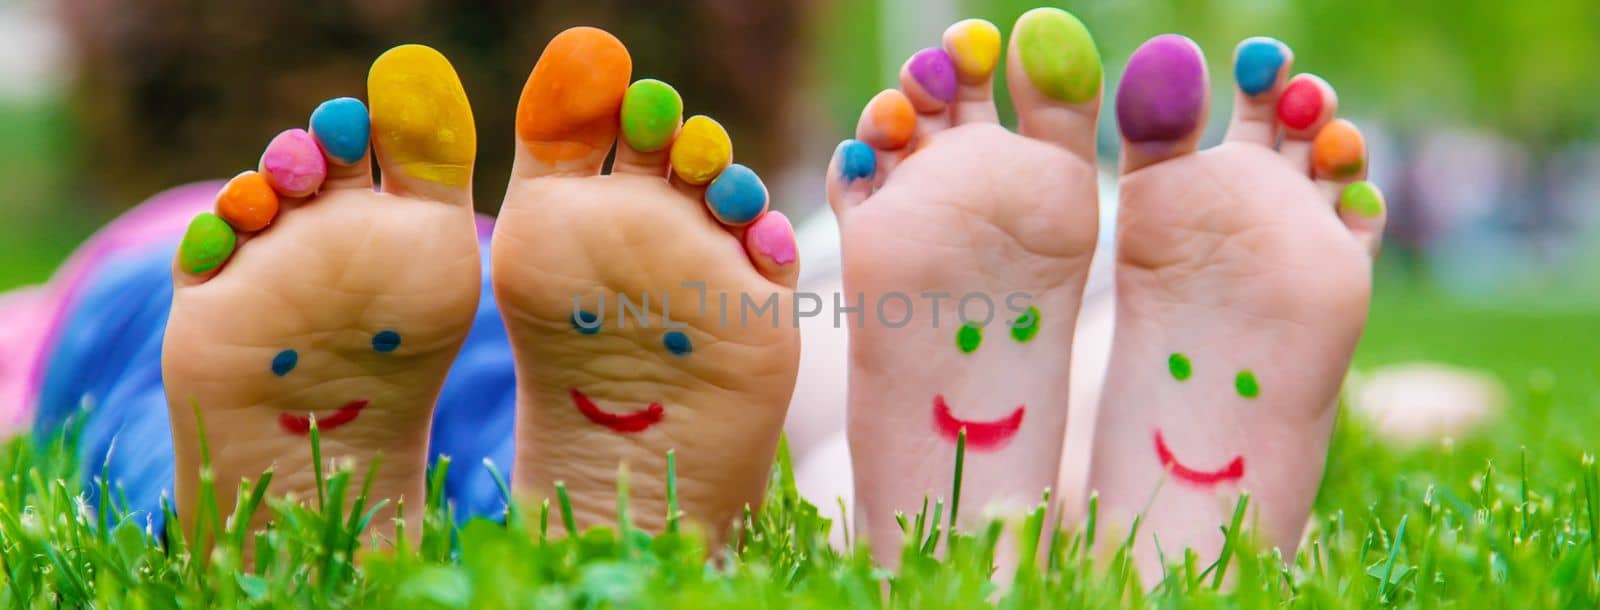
(293,164)
(1163,91)
(935,72)
(773,236)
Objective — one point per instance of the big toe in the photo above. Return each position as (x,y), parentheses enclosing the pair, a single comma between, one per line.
(568,116)
(1054,76)
(1161,101)
(422,128)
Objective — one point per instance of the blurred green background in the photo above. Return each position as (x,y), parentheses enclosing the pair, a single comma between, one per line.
(1482,118)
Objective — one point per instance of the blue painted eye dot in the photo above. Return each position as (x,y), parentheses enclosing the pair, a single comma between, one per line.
(284,362)
(677,343)
(585,322)
(386,341)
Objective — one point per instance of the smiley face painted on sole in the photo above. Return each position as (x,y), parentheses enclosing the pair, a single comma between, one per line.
(286,361)
(1246,386)
(984,435)
(674,342)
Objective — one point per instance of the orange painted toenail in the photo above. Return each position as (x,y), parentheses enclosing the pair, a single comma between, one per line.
(247,202)
(891,120)
(571,103)
(1339,150)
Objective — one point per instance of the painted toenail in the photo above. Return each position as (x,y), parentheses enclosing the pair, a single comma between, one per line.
(1059,55)
(773,236)
(1339,150)
(247,202)
(1256,68)
(857,160)
(1162,93)
(702,150)
(1301,104)
(974,46)
(892,120)
(677,343)
(737,196)
(421,120)
(386,341)
(934,71)
(341,126)
(293,163)
(206,244)
(651,111)
(570,103)
(1362,199)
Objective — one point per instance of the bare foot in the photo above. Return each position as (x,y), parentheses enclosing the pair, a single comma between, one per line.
(310,295)
(1243,273)
(936,198)
(599,385)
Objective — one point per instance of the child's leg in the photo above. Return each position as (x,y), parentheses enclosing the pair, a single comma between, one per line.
(1243,274)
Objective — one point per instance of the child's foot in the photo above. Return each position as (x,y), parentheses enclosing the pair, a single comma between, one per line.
(308,295)
(613,287)
(948,217)
(1243,273)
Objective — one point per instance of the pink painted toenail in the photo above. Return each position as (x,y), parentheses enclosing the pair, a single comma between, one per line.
(293,164)
(773,236)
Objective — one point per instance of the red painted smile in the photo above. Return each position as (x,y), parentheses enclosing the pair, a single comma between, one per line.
(1227,474)
(981,435)
(632,422)
(301,424)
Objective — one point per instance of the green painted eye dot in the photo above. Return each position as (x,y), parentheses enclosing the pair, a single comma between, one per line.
(969,337)
(1026,325)
(1180,366)
(1246,384)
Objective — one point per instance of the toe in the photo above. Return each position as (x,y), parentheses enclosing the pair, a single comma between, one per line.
(1054,76)
(293,164)
(851,175)
(342,128)
(928,80)
(652,111)
(701,151)
(888,124)
(1261,69)
(1161,101)
(974,48)
(1307,103)
(737,196)
(206,245)
(422,128)
(248,202)
(1362,209)
(771,244)
(1339,153)
(568,116)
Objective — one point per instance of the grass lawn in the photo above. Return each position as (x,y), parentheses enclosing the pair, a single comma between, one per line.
(1506,518)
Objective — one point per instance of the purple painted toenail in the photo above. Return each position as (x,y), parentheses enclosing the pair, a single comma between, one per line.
(935,72)
(1163,91)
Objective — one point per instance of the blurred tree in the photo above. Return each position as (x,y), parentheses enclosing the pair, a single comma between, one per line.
(170,91)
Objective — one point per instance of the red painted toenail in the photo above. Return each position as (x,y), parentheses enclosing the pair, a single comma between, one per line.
(1301,104)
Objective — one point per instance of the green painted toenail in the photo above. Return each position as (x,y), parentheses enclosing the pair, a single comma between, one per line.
(1362,199)
(1059,55)
(1026,326)
(1180,366)
(208,242)
(651,111)
(1245,383)
(969,337)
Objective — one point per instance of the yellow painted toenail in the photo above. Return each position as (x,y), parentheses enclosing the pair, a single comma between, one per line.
(974,46)
(421,120)
(702,150)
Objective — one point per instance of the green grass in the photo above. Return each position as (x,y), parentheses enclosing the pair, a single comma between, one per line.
(1504,518)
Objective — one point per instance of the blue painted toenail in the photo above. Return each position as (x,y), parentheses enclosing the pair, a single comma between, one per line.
(737,196)
(585,322)
(284,362)
(386,341)
(857,160)
(1256,70)
(341,126)
(677,343)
